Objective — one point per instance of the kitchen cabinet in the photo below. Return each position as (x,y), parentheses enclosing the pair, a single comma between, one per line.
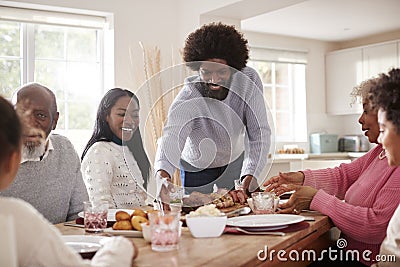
(343,72)
(379,58)
(347,68)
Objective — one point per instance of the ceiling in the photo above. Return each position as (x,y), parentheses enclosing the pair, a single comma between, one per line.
(325,20)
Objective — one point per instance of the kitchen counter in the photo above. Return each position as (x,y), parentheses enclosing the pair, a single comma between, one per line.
(322,156)
(297,162)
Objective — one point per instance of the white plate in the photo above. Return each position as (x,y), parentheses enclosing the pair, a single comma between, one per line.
(127,233)
(267,220)
(84,243)
(110,214)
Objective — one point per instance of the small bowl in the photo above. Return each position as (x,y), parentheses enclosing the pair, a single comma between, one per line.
(146,231)
(206,226)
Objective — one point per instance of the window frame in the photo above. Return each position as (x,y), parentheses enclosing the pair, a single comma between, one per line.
(101,22)
(261,55)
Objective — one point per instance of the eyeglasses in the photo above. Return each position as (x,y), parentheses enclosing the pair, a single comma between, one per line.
(207,74)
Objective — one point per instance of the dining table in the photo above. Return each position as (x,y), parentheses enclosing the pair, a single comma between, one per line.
(295,248)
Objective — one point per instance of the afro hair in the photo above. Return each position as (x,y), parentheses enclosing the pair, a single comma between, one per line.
(216,40)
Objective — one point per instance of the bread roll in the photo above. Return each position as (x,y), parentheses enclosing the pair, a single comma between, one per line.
(122,216)
(122,225)
(137,220)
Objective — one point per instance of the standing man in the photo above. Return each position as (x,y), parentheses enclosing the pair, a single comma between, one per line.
(49,177)
(217,128)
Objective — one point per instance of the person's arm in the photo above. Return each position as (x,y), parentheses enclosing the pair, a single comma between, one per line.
(175,132)
(336,181)
(97,173)
(258,131)
(365,224)
(39,243)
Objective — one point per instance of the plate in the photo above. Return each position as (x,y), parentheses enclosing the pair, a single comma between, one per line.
(127,233)
(267,220)
(85,245)
(110,213)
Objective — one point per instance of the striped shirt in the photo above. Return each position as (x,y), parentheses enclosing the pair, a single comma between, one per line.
(209,133)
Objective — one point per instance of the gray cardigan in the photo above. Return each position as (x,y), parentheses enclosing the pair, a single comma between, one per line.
(54,186)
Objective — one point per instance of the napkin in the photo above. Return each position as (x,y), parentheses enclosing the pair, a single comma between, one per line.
(291,228)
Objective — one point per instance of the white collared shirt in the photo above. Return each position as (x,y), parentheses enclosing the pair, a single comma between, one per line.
(49,147)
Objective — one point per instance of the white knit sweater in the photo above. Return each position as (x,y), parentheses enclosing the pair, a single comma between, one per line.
(111,173)
(39,243)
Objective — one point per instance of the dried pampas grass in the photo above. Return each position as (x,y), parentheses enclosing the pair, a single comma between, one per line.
(158,100)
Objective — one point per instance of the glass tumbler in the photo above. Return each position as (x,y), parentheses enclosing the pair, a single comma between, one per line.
(95,216)
(164,231)
(263,202)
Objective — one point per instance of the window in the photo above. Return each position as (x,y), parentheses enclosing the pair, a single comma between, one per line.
(283,80)
(65,57)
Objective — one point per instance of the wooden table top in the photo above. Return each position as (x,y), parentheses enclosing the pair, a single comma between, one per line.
(233,249)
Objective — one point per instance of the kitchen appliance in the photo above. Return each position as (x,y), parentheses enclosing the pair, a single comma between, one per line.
(323,143)
(353,143)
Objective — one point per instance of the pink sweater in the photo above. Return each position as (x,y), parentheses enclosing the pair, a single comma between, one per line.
(371,193)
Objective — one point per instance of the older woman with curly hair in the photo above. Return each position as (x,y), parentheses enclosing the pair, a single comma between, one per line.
(360,197)
(217,116)
(386,97)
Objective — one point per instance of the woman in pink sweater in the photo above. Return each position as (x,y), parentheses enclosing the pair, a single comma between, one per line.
(359,197)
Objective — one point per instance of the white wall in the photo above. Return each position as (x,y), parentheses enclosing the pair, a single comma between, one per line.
(166,24)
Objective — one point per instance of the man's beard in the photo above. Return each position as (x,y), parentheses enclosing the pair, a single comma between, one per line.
(220,94)
(32,151)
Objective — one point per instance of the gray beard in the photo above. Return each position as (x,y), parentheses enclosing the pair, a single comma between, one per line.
(31,152)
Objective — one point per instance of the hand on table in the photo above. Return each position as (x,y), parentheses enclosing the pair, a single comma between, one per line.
(279,184)
(299,200)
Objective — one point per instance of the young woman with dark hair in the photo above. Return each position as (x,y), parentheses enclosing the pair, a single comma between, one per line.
(115,166)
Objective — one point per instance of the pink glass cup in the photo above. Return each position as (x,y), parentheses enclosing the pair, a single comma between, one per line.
(164,231)
(95,216)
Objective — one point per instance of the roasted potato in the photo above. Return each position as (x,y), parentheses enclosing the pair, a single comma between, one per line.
(122,225)
(136,221)
(139,212)
(122,216)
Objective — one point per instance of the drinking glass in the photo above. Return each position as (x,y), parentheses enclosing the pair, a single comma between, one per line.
(164,231)
(95,216)
(176,197)
(263,202)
